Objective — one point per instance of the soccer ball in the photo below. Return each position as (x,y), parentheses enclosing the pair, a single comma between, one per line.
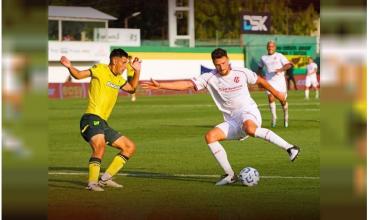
(249,176)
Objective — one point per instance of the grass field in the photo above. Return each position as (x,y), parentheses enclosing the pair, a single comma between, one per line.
(173,173)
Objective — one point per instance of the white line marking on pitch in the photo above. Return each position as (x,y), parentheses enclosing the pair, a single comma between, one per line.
(184,175)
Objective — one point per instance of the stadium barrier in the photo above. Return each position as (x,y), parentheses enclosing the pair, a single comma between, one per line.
(80,90)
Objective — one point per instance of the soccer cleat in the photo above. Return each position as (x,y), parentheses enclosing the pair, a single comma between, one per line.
(293,152)
(94,187)
(109,183)
(227,179)
(286,123)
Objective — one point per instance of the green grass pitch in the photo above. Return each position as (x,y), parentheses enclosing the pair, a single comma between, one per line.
(173,173)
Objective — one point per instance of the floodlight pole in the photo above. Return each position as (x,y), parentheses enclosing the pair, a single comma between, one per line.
(131,16)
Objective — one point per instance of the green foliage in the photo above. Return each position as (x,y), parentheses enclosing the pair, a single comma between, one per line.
(221,19)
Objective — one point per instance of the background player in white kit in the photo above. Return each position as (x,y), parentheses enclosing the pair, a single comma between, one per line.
(311,79)
(276,64)
(229,90)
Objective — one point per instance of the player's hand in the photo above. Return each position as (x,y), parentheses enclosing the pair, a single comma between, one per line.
(279,70)
(136,64)
(151,85)
(65,62)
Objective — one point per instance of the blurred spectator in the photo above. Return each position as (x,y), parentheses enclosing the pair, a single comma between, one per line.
(130,75)
(290,77)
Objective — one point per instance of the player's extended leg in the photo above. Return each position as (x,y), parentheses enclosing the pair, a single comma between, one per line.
(127,149)
(212,138)
(253,130)
(272,106)
(97,143)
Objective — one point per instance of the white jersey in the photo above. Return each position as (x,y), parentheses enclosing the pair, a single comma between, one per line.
(230,93)
(311,68)
(272,63)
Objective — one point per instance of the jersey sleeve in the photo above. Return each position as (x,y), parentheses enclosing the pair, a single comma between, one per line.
(95,70)
(201,82)
(283,59)
(250,76)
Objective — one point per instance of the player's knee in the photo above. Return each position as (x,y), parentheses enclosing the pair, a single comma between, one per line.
(210,137)
(98,145)
(250,128)
(98,149)
(131,148)
(250,131)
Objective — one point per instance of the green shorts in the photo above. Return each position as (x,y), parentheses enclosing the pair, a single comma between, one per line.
(91,125)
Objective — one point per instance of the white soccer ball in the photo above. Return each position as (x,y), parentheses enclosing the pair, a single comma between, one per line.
(249,176)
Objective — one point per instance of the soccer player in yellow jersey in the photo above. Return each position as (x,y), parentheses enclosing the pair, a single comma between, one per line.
(130,76)
(106,80)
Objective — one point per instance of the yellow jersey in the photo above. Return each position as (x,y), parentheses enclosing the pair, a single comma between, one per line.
(103,90)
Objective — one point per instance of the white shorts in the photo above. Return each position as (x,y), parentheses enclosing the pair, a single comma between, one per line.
(278,83)
(311,80)
(233,128)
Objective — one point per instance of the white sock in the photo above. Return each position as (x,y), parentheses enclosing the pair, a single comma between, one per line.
(220,154)
(285,109)
(273,110)
(106,176)
(306,93)
(270,136)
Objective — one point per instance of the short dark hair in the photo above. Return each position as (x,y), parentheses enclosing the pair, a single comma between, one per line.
(118,53)
(218,53)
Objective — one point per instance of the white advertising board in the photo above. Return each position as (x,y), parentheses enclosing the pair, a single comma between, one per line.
(125,37)
(79,51)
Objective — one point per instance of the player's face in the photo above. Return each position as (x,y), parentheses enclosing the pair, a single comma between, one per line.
(222,65)
(310,60)
(120,64)
(271,47)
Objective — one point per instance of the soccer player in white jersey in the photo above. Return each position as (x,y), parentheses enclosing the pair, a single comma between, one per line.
(229,90)
(276,64)
(311,79)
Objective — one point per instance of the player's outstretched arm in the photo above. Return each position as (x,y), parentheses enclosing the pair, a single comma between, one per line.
(284,68)
(281,96)
(75,73)
(175,85)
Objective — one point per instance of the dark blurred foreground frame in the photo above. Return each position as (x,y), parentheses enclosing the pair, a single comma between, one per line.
(24,178)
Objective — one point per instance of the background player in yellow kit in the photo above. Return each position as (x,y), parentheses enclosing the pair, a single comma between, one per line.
(130,76)
(106,80)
